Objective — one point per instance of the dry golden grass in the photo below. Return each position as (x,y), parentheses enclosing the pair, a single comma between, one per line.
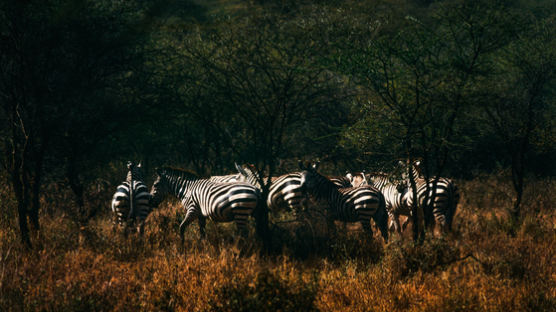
(478,267)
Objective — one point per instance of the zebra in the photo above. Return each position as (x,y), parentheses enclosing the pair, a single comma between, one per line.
(230,178)
(285,190)
(357,179)
(441,200)
(341,182)
(352,204)
(130,204)
(203,198)
(396,198)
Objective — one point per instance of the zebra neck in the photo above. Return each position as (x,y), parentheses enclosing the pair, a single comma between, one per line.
(253,178)
(155,200)
(380,182)
(326,190)
(178,186)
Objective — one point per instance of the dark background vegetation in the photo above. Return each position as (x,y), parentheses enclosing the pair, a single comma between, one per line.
(468,86)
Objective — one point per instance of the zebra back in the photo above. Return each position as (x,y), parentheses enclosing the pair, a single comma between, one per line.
(212,199)
(441,199)
(340,181)
(284,190)
(349,204)
(230,178)
(248,174)
(394,194)
(131,198)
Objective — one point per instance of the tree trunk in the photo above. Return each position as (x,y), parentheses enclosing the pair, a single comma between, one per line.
(77,188)
(37,181)
(261,216)
(20,197)
(518,172)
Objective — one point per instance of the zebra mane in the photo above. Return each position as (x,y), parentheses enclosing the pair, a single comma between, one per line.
(177,172)
(382,175)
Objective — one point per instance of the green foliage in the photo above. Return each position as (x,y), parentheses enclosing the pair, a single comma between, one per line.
(84,85)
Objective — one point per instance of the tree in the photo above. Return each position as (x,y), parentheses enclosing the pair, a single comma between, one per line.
(518,100)
(245,85)
(417,79)
(60,78)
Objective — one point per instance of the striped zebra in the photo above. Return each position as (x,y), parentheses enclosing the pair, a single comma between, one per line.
(357,179)
(341,182)
(396,199)
(285,190)
(203,198)
(132,204)
(440,203)
(230,178)
(352,204)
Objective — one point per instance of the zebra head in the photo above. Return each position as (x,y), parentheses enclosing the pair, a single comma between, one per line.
(357,179)
(160,187)
(310,178)
(409,169)
(418,168)
(135,171)
(130,168)
(248,173)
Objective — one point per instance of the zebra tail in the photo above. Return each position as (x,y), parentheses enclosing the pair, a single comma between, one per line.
(382,217)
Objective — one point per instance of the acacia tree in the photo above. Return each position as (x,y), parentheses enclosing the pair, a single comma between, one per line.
(417,81)
(518,100)
(247,83)
(58,60)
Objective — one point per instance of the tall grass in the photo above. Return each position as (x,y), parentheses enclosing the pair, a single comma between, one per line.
(480,266)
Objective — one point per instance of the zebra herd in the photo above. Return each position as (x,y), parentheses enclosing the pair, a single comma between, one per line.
(355,197)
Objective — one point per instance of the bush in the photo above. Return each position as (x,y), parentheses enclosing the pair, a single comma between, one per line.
(267,293)
(403,259)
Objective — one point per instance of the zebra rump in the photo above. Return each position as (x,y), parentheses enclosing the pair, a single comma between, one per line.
(131,201)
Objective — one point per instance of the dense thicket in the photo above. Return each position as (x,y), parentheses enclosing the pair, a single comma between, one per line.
(466,85)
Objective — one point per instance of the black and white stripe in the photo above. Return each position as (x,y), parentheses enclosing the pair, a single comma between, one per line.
(131,204)
(396,201)
(440,201)
(352,204)
(341,182)
(284,191)
(203,198)
(230,178)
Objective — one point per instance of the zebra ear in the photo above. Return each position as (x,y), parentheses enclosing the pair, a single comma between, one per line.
(129,164)
(139,165)
(240,169)
(316,165)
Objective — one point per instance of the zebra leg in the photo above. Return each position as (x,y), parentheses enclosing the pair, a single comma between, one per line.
(397,226)
(189,217)
(114,224)
(366,224)
(392,222)
(404,224)
(331,227)
(202,224)
(141,227)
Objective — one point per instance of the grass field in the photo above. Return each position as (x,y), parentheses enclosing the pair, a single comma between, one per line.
(481,266)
